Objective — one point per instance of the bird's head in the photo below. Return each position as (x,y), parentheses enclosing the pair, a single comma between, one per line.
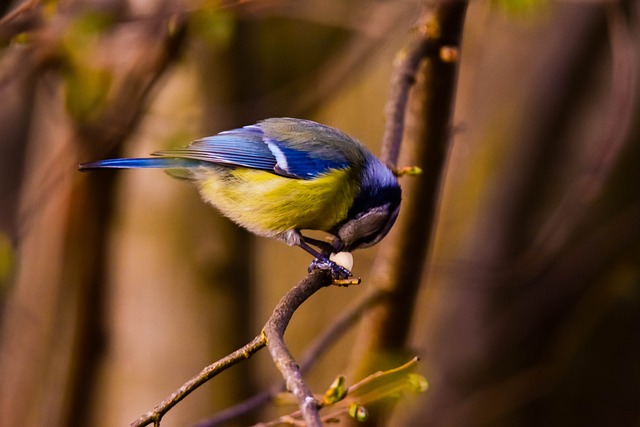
(374,210)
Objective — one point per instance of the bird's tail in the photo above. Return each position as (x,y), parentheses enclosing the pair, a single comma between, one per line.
(159,163)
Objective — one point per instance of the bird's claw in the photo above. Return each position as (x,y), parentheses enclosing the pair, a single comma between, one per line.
(338,272)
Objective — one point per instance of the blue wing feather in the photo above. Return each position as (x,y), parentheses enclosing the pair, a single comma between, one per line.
(258,147)
(161,163)
(287,147)
(302,164)
(307,149)
(239,147)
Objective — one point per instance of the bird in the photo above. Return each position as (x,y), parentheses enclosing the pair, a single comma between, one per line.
(281,176)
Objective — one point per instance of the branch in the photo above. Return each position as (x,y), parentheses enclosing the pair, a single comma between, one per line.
(431,63)
(352,400)
(274,332)
(429,73)
(154,416)
(316,349)
(407,62)
(272,336)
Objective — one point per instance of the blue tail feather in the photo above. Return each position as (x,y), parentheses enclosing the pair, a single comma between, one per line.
(160,163)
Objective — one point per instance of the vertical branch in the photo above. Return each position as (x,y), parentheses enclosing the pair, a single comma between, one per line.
(400,264)
(502,318)
(403,79)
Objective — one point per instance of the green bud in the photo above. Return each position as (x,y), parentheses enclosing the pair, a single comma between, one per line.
(358,412)
(337,391)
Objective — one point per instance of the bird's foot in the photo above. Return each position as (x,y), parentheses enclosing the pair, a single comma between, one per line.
(338,272)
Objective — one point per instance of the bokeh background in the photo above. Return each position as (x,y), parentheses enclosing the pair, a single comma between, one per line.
(116,287)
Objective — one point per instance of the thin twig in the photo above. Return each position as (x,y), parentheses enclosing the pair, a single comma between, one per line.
(402,80)
(272,336)
(374,387)
(339,327)
(312,354)
(154,416)
(241,408)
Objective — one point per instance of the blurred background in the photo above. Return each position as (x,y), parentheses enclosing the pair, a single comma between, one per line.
(116,287)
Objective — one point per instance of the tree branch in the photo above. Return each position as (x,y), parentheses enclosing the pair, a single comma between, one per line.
(274,332)
(432,59)
(155,415)
(423,93)
(403,79)
(308,359)
(271,336)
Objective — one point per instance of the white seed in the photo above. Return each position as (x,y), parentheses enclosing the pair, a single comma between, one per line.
(344,259)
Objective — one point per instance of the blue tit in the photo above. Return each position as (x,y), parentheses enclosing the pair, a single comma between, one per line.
(283,175)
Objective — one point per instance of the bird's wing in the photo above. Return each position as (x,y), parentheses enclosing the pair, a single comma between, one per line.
(303,148)
(258,148)
(238,147)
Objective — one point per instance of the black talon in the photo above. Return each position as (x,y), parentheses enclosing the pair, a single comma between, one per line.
(337,271)
(321,261)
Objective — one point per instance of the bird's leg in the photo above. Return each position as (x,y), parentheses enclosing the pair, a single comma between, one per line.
(326,247)
(322,262)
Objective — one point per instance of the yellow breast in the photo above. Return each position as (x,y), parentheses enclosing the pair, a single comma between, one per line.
(269,204)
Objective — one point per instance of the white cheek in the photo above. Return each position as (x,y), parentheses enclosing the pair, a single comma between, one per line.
(343,259)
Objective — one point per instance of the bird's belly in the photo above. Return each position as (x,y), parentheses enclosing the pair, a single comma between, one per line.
(269,204)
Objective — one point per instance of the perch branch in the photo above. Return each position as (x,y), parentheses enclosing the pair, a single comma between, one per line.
(312,354)
(274,332)
(272,336)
